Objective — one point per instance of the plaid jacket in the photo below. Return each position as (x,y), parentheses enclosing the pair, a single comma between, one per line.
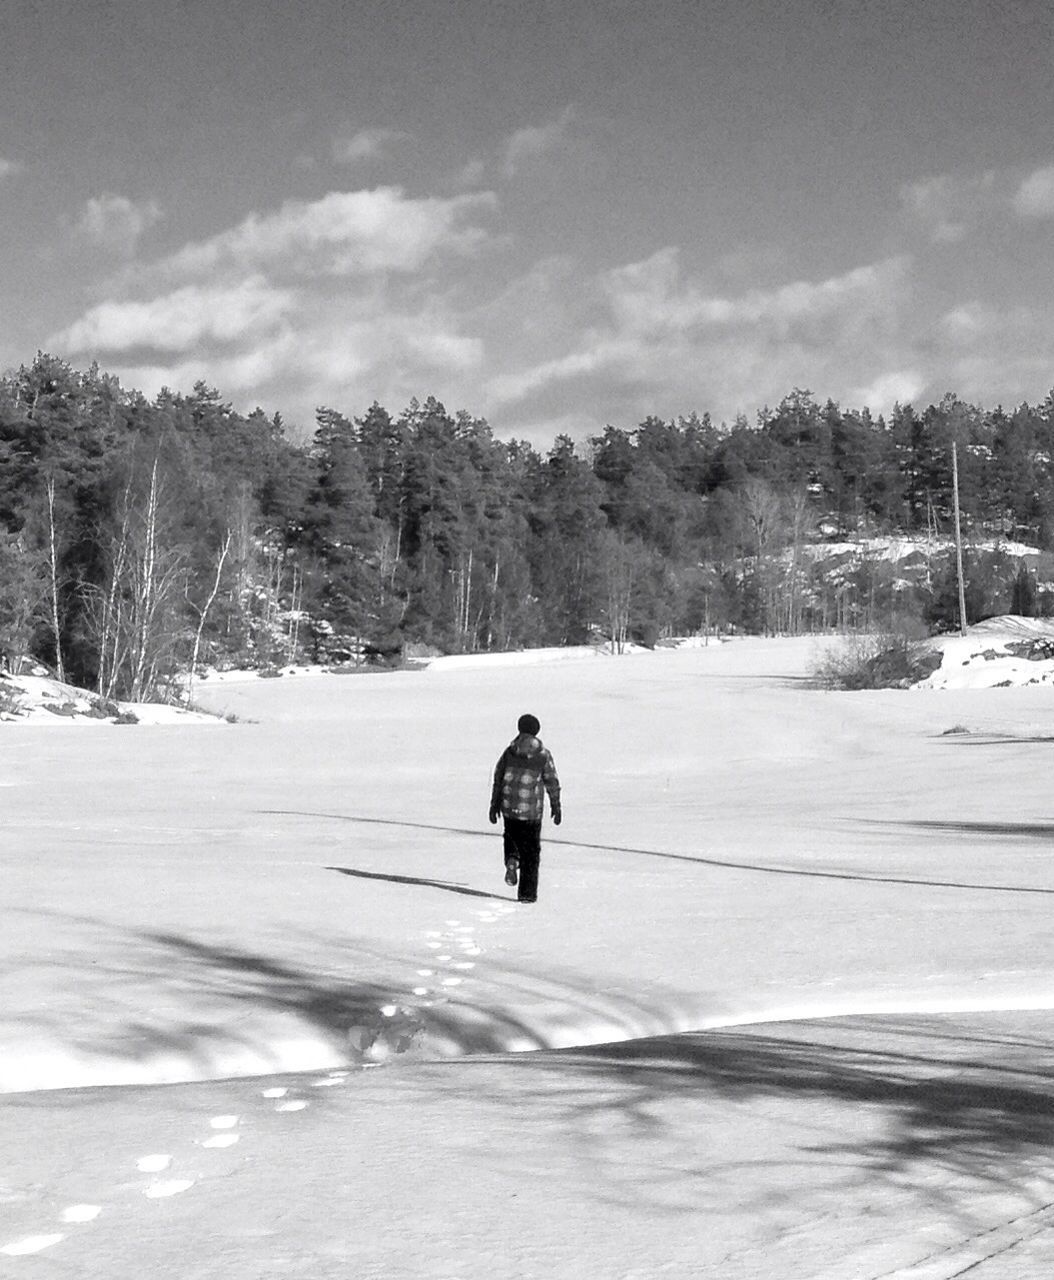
(523,775)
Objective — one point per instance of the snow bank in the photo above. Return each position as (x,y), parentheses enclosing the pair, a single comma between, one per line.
(39,700)
(32,1066)
(1012,625)
(998,653)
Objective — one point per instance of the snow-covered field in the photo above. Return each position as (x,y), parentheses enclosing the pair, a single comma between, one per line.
(787,989)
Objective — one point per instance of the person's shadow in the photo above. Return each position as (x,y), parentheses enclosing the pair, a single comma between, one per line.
(431,884)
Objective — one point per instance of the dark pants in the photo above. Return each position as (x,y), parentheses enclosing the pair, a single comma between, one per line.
(523,841)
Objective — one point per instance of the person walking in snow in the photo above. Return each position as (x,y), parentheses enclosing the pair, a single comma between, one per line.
(524,774)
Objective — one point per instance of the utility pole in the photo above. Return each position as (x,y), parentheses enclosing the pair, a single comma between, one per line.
(958,540)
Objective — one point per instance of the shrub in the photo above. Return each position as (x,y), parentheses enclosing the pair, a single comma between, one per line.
(892,660)
(10,700)
(103,709)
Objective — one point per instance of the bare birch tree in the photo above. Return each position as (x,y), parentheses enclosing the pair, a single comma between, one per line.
(53,576)
(134,613)
(619,563)
(763,513)
(221,559)
(296,610)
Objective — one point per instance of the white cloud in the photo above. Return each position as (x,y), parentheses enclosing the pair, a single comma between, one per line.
(948,206)
(179,321)
(509,388)
(374,294)
(342,233)
(346,353)
(659,342)
(261,309)
(650,298)
(535,140)
(992,353)
(897,386)
(965,323)
(244,373)
(116,223)
(351,346)
(1034,198)
(366,144)
(973,324)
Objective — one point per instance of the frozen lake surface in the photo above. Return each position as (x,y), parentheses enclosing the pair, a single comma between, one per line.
(315,889)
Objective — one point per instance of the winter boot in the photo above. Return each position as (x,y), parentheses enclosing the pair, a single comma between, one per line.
(512,870)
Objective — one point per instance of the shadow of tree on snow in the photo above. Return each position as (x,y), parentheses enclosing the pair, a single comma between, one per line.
(806,873)
(863,1099)
(993,739)
(958,827)
(874,1100)
(163,994)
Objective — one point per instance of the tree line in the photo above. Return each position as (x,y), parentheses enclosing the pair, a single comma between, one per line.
(141,537)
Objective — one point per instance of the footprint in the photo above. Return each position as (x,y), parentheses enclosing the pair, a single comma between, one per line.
(463,964)
(31,1244)
(420,991)
(277,1092)
(81,1213)
(221,1140)
(472,951)
(435,945)
(328,1083)
(452,982)
(223,1122)
(425,973)
(294,1104)
(173,1187)
(153,1164)
(389,1010)
(444,959)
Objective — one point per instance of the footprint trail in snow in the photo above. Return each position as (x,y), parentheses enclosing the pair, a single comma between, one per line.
(400,1026)
(223,1133)
(456,940)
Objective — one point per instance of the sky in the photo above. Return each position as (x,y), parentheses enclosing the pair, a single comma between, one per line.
(554,215)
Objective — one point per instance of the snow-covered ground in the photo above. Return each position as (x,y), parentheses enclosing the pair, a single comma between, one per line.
(895,549)
(787,987)
(39,700)
(998,653)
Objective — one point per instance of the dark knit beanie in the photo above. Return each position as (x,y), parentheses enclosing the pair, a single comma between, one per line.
(528,724)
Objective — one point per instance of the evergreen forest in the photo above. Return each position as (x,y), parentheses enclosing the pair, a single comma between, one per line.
(142,537)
